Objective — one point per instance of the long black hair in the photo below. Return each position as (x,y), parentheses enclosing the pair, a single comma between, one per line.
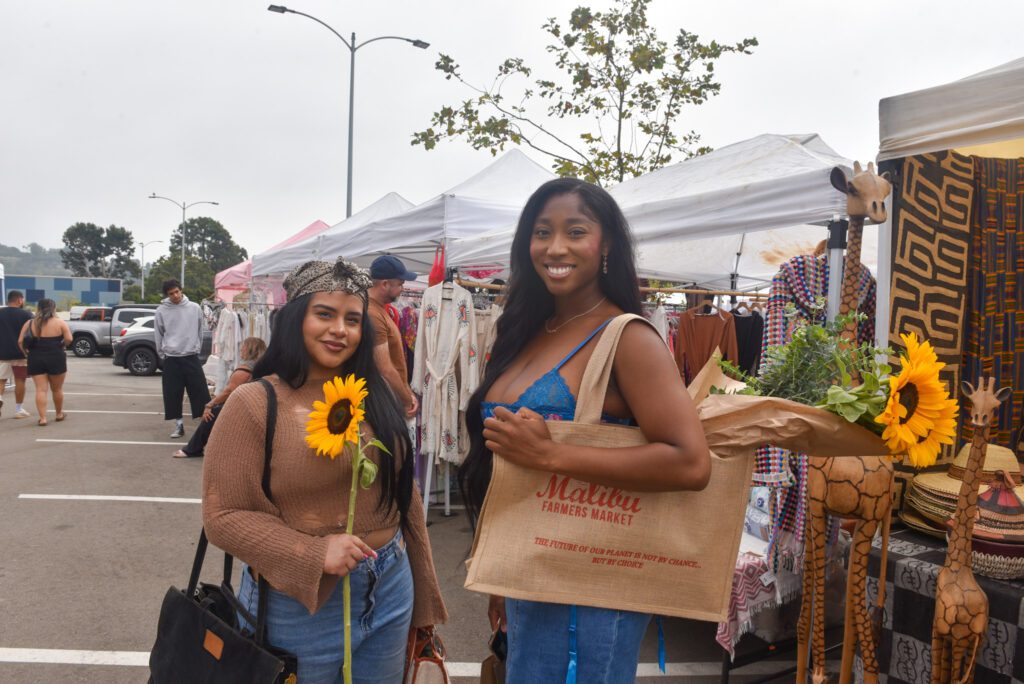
(529,304)
(287,357)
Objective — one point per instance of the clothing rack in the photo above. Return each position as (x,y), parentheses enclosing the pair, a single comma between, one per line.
(645,290)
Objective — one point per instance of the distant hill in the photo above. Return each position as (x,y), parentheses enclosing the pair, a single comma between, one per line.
(35,260)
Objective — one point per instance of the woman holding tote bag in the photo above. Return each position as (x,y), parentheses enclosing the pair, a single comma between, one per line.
(572,272)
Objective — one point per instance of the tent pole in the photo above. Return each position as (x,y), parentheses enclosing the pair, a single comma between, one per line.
(836,248)
(885,257)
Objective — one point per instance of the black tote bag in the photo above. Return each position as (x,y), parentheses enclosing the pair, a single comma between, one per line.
(198,639)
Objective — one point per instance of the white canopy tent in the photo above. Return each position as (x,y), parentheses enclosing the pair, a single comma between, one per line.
(282,261)
(487,200)
(985,109)
(743,209)
(979,115)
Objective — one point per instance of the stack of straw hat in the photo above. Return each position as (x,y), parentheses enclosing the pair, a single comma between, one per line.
(998,539)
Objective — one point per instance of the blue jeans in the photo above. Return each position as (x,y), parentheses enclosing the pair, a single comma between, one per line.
(608,643)
(382,593)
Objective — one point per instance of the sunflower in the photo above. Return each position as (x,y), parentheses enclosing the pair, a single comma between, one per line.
(919,416)
(336,420)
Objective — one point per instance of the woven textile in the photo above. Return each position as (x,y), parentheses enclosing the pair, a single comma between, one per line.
(994,330)
(904,649)
(800,281)
(931,231)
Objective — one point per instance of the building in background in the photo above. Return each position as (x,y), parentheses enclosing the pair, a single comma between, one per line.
(65,291)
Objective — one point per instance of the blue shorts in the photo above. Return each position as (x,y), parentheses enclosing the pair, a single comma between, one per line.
(382,596)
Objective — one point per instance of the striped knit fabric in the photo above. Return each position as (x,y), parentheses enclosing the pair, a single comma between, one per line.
(800,281)
(994,335)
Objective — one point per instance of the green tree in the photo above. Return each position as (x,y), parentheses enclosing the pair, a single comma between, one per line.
(91,251)
(208,240)
(198,277)
(621,87)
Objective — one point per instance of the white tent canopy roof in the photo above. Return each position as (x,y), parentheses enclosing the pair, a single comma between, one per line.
(689,218)
(282,261)
(489,199)
(977,110)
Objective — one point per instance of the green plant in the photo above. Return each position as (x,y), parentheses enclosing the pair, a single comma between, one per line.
(817,368)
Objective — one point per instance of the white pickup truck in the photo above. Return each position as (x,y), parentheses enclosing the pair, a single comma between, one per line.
(91,336)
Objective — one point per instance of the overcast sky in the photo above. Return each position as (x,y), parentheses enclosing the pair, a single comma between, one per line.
(106,101)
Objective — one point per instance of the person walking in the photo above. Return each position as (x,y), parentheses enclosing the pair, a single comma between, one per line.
(389,276)
(572,272)
(251,350)
(178,328)
(43,340)
(13,364)
(291,530)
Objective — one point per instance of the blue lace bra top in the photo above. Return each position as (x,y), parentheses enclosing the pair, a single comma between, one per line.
(550,396)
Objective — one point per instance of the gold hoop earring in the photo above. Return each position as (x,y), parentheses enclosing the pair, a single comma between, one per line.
(604,267)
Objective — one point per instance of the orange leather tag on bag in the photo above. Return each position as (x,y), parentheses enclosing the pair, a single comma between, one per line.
(214,644)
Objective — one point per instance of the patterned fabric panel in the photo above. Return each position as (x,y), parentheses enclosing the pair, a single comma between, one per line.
(931,232)
(994,330)
(904,647)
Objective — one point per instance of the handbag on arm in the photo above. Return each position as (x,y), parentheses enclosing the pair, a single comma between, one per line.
(199,639)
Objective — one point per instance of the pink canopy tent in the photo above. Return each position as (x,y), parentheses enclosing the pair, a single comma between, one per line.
(231,281)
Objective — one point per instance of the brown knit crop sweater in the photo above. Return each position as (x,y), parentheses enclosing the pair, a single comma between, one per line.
(283,540)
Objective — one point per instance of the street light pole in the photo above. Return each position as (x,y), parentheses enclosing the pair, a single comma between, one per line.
(142,265)
(352,47)
(183,206)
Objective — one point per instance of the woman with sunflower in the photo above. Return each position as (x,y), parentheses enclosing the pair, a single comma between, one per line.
(572,272)
(296,538)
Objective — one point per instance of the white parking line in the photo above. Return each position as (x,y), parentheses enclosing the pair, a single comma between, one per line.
(134,413)
(105,394)
(141,659)
(67,657)
(104,497)
(105,441)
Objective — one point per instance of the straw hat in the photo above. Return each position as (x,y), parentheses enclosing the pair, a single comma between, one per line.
(947,484)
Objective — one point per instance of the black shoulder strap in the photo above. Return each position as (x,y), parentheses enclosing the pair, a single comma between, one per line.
(268,453)
(197,563)
(268,440)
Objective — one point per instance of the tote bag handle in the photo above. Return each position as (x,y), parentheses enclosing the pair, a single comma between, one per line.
(197,563)
(594,386)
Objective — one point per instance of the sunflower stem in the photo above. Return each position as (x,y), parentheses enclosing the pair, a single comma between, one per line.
(346,584)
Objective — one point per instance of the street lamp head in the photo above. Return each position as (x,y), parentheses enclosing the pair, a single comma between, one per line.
(280,9)
(423,45)
(152,195)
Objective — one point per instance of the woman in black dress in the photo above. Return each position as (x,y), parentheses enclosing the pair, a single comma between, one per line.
(43,340)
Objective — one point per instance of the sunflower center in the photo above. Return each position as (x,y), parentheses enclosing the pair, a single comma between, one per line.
(339,416)
(909,398)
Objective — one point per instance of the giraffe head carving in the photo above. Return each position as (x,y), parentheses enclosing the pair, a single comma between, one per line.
(985,400)
(865,192)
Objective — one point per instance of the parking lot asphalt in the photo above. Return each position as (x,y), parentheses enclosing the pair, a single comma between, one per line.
(83,573)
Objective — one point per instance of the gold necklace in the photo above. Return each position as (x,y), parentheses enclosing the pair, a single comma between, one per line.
(548,330)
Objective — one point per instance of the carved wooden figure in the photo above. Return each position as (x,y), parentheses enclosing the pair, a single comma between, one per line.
(961,607)
(852,488)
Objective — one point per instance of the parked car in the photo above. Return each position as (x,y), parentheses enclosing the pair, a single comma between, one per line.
(141,324)
(136,351)
(97,335)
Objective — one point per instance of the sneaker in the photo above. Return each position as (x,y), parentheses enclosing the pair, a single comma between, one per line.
(22,413)
(179,431)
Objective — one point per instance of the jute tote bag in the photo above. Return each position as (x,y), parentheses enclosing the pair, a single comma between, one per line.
(548,537)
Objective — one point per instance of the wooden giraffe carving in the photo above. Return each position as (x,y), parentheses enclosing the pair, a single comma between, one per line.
(961,607)
(852,488)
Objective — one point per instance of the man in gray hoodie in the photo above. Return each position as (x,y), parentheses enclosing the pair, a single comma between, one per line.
(179,337)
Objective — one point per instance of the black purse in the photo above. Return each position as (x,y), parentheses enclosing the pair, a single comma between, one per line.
(199,639)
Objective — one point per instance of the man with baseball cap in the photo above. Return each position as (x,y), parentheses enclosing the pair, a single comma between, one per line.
(389,276)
